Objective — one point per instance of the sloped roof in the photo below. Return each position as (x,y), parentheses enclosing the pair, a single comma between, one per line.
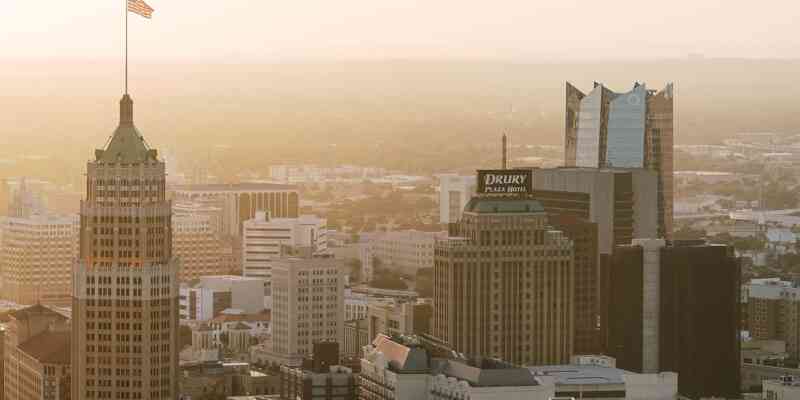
(127,146)
(49,347)
(37,309)
(402,358)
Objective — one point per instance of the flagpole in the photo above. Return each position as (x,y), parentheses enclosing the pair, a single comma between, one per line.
(125,10)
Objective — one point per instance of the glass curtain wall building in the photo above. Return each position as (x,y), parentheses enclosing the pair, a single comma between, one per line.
(606,129)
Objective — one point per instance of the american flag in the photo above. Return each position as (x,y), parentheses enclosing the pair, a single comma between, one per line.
(141,8)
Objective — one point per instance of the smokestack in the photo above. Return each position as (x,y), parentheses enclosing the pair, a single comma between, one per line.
(505,152)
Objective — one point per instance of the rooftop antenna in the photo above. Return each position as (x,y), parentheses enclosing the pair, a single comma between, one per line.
(505,152)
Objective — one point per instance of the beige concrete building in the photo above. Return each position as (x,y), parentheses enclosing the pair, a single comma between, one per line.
(37,257)
(125,283)
(402,251)
(504,284)
(308,306)
(36,363)
(773,312)
(264,236)
(356,336)
(391,318)
(239,202)
(198,247)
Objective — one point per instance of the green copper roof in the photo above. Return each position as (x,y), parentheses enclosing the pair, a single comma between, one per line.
(503,205)
(127,146)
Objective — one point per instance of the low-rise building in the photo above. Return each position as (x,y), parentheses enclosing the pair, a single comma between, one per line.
(402,369)
(36,355)
(320,377)
(218,379)
(591,378)
(211,295)
(786,388)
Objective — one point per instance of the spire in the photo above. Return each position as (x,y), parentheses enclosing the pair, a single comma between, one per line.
(126,110)
(126,145)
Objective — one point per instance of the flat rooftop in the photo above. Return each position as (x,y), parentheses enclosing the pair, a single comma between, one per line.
(235,187)
(581,374)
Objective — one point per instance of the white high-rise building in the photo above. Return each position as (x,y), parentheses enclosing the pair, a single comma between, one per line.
(308,306)
(454,193)
(403,251)
(263,238)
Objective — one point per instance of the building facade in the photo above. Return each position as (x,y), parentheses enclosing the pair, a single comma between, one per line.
(308,306)
(785,388)
(773,308)
(588,335)
(454,194)
(627,130)
(125,283)
(622,202)
(674,306)
(404,251)
(241,201)
(38,252)
(504,284)
(263,238)
(198,247)
(321,377)
(589,380)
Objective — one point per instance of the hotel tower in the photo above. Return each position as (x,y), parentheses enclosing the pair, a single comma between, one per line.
(125,288)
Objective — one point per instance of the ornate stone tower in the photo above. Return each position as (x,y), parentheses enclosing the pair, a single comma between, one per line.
(125,288)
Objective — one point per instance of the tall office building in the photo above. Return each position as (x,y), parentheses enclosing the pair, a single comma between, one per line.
(308,306)
(264,236)
(37,257)
(504,284)
(627,130)
(588,336)
(197,246)
(623,202)
(674,306)
(125,282)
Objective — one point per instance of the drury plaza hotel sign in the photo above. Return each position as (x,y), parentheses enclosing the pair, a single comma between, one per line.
(505,181)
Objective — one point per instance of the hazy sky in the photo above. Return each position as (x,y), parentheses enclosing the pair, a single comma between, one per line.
(240,30)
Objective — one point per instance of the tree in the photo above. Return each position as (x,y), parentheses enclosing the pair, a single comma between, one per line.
(184,336)
(388,282)
(424,282)
(354,266)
